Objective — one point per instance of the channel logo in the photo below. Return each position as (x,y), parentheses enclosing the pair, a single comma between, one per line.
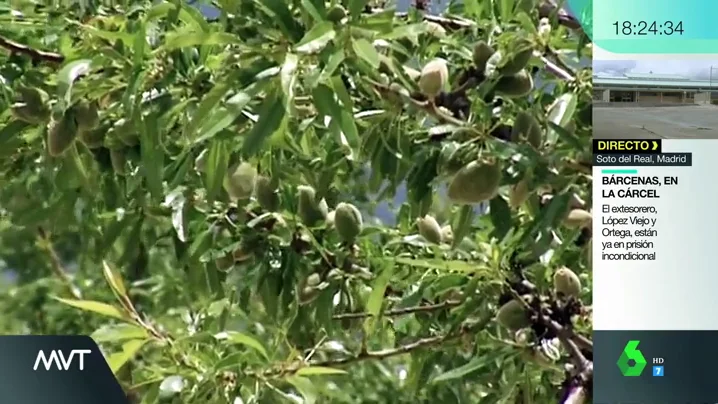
(631,353)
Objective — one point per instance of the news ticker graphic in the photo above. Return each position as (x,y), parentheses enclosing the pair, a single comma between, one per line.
(55,369)
(657,367)
(653,269)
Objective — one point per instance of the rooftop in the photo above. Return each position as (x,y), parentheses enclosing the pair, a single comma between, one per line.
(651,79)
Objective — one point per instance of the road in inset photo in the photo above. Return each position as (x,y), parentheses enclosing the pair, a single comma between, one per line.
(649,99)
(680,122)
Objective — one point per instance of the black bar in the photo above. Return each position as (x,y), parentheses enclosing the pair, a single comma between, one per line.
(627,146)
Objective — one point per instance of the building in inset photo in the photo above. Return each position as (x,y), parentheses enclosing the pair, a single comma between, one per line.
(655,99)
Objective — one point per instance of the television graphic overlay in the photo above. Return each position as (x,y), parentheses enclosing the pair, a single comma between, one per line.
(56,369)
(299,201)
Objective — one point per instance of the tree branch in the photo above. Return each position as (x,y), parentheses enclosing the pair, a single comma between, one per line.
(56,263)
(557,71)
(455,23)
(403,311)
(466,329)
(34,54)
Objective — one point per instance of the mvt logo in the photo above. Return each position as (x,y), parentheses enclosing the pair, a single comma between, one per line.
(60,359)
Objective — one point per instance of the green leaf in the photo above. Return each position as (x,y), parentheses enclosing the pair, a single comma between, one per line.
(561,113)
(356,7)
(129,350)
(118,332)
(180,40)
(237,337)
(114,280)
(223,117)
(216,168)
(438,264)
(376,299)
(289,79)
(305,387)
(319,370)
(461,225)
(152,155)
(342,123)
(94,307)
(500,217)
(67,76)
(485,359)
(315,9)
(365,51)
(282,16)
(271,115)
(209,102)
(316,39)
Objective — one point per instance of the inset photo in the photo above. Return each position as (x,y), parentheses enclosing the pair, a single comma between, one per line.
(650,99)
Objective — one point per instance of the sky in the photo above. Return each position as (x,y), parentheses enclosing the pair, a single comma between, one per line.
(698,69)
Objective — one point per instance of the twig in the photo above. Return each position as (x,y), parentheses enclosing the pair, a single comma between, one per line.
(456,23)
(403,311)
(34,54)
(557,71)
(56,264)
(378,355)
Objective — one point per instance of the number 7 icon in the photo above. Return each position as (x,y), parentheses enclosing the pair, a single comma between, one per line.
(658,371)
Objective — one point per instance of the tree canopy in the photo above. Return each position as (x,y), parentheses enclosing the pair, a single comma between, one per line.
(302,201)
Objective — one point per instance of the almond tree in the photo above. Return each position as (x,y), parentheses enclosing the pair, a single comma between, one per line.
(302,201)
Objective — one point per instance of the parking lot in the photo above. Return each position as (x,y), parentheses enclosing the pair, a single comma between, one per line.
(666,122)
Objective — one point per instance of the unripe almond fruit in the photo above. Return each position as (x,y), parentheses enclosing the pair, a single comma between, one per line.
(314,280)
(513,316)
(125,132)
(119,161)
(25,113)
(566,282)
(307,295)
(526,128)
(578,218)
(429,229)
(514,86)
(35,98)
(61,134)
(492,65)
(447,235)
(519,193)
(225,262)
(347,221)
(239,182)
(336,13)
(310,210)
(434,77)
(478,181)
(93,138)
(266,193)
(435,29)
(482,53)
(518,60)
(86,115)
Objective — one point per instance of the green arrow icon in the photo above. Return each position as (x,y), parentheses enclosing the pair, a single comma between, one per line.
(631,352)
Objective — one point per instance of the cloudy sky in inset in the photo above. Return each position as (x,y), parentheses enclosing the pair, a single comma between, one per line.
(699,69)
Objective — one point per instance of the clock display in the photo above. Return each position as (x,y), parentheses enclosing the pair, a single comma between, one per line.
(644,28)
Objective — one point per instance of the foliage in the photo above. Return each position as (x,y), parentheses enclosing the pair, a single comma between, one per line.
(128,214)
